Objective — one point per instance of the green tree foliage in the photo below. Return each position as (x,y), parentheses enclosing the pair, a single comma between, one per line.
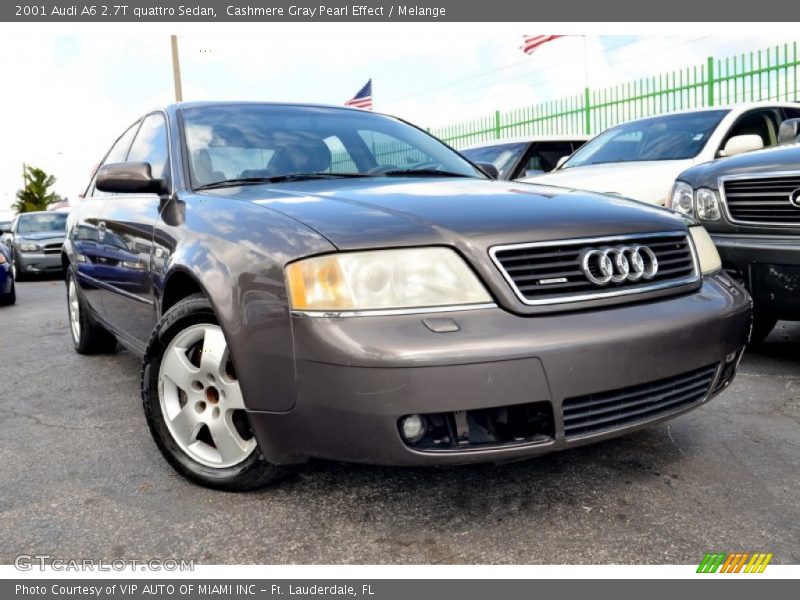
(36,194)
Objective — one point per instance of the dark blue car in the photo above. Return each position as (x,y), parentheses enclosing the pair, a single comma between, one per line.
(7,293)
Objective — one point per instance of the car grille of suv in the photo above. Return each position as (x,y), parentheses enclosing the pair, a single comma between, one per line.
(552,272)
(53,248)
(764,200)
(594,413)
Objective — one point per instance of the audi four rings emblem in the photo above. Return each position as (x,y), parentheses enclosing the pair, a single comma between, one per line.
(794,198)
(618,264)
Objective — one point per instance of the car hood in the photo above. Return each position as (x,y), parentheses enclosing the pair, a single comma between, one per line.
(649,181)
(780,158)
(380,212)
(39,235)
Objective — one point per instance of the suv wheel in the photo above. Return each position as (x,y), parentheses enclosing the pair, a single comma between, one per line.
(88,336)
(193,402)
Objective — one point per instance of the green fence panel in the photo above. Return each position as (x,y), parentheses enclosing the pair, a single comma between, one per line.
(768,74)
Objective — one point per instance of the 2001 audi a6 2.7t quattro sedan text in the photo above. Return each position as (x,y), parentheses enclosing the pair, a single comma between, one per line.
(308,281)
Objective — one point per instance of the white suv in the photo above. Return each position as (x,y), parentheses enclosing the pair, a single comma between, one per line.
(641,159)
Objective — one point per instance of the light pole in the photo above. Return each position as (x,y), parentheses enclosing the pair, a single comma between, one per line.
(176,69)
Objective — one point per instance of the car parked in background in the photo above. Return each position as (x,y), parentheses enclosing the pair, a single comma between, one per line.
(751,206)
(640,159)
(393,306)
(36,239)
(8,294)
(524,157)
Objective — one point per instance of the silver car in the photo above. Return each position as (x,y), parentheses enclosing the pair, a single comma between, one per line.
(36,239)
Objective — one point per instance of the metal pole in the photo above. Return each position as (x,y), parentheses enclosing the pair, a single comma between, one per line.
(176,69)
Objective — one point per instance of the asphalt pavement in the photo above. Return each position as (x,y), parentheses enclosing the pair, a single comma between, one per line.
(80,477)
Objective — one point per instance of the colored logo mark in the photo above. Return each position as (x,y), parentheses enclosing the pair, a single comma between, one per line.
(739,562)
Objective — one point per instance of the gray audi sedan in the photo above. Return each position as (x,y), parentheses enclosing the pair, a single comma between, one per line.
(309,281)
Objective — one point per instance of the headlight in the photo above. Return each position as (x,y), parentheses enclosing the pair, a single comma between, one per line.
(706,251)
(383,279)
(708,205)
(682,199)
(24,247)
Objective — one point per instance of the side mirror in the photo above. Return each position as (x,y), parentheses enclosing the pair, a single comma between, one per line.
(6,230)
(129,178)
(561,161)
(789,132)
(489,169)
(740,144)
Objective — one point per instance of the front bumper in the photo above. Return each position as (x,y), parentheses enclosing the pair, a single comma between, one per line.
(38,262)
(769,266)
(357,376)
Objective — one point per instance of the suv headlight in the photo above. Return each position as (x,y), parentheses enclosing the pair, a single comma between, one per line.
(682,199)
(26,247)
(707,205)
(706,251)
(383,280)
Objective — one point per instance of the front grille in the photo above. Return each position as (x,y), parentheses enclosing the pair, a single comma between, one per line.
(551,272)
(594,413)
(763,199)
(53,248)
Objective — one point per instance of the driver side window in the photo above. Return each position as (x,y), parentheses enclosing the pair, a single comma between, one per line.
(763,123)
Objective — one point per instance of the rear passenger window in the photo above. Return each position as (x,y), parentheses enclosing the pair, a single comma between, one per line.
(150,146)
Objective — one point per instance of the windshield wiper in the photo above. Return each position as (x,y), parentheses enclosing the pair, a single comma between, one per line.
(422,173)
(235,182)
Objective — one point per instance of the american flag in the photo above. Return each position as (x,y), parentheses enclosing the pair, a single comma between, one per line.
(532,42)
(363,99)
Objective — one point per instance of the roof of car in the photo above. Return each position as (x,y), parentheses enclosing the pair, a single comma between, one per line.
(532,138)
(738,108)
(212,103)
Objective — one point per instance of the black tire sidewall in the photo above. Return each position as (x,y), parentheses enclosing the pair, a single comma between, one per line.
(252,472)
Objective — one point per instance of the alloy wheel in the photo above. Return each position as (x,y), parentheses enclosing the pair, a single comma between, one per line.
(201,399)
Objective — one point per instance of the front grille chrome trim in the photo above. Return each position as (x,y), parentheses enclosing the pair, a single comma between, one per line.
(747,176)
(611,293)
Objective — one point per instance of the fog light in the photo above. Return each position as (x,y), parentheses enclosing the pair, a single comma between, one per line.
(413,428)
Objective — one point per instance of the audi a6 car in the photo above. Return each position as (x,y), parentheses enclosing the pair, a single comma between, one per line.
(306,281)
(751,206)
(36,239)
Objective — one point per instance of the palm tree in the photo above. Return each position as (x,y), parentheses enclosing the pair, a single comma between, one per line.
(36,194)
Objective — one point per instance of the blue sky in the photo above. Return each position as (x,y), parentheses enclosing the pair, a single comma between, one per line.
(67,97)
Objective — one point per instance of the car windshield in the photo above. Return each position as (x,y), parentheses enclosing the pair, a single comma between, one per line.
(670,137)
(42,223)
(250,143)
(502,156)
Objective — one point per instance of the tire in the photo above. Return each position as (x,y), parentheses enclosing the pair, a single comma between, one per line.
(11,297)
(19,275)
(193,404)
(763,324)
(89,337)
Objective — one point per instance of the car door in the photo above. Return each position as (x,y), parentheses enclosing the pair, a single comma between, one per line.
(126,233)
(84,235)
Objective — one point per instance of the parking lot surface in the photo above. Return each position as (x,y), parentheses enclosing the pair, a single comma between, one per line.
(81,477)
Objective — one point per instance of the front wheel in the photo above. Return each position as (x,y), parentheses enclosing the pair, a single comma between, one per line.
(193,402)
